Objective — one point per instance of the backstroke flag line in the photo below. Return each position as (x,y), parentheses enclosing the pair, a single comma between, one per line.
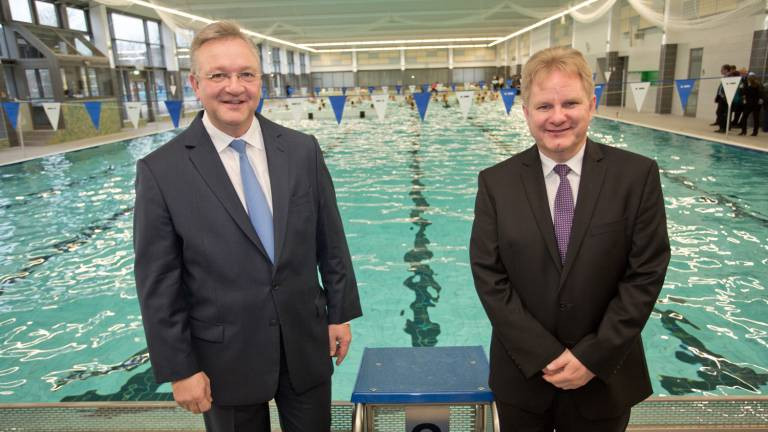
(598,93)
(260,106)
(380,104)
(133,109)
(508,96)
(337,103)
(730,84)
(94,112)
(422,101)
(639,91)
(12,111)
(174,109)
(465,101)
(684,88)
(52,111)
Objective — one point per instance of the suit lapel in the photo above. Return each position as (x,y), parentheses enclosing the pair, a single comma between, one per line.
(536,193)
(280,173)
(592,175)
(206,160)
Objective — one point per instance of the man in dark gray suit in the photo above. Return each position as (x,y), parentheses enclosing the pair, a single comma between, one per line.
(233,219)
(569,250)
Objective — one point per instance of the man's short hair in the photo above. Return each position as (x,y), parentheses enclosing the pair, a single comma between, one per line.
(215,31)
(563,59)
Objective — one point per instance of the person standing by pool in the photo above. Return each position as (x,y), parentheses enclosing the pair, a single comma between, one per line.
(568,251)
(233,219)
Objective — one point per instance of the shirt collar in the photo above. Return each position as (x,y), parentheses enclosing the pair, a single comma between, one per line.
(221,140)
(574,163)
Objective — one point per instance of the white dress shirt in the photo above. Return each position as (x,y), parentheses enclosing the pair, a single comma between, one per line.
(552,180)
(255,151)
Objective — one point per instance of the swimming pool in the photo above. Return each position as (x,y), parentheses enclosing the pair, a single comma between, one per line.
(70,328)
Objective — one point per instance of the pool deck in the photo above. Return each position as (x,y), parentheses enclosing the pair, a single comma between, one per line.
(697,128)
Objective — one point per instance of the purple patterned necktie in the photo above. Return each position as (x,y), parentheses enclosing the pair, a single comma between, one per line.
(563,210)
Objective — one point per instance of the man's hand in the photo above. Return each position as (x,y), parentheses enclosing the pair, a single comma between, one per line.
(339,338)
(193,393)
(567,372)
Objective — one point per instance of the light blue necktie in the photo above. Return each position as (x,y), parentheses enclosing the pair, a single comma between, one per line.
(255,201)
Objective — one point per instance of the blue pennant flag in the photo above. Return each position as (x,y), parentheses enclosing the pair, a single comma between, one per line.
(481,83)
(174,109)
(317,91)
(371,89)
(422,101)
(598,93)
(337,102)
(684,88)
(508,96)
(12,111)
(261,105)
(398,88)
(509,83)
(264,90)
(453,87)
(288,91)
(344,90)
(424,88)
(594,76)
(94,111)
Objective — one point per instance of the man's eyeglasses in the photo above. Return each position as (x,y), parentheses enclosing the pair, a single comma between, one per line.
(221,77)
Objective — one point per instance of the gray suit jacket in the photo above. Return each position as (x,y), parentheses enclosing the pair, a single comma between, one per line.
(210,298)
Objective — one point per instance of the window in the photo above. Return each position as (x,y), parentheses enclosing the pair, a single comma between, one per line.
(137,41)
(275,59)
(76,19)
(183,42)
(291,65)
(46,13)
(303,63)
(39,83)
(26,50)
(20,10)
(3,49)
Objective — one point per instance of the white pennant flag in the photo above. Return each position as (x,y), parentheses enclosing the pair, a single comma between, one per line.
(380,104)
(466,86)
(133,109)
(639,91)
(173,89)
(607,76)
(385,89)
(412,88)
(303,91)
(53,110)
(730,84)
(465,101)
(297,108)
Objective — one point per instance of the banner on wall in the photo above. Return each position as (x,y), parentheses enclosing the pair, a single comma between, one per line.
(260,106)
(296,106)
(94,112)
(412,88)
(174,109)
(598,94)
(380,104)
(422,101)
(684,89)
(52,111)
(508,96)
(730,84)
(465,98)
(133,109)
(398,88)
(639,91)
(12,111)
(337,103)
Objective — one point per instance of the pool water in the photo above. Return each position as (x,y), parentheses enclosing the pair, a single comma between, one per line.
(70,328)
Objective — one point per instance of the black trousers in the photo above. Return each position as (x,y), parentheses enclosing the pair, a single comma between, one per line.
(755,111)
(306,412)
(563,416)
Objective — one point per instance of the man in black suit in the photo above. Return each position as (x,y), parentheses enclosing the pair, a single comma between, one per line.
(233,219)
(569,250)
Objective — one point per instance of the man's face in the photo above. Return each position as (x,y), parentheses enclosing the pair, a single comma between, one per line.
(230,104)
(558,112)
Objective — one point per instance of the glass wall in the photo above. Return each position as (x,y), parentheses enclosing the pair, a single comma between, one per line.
(136,41)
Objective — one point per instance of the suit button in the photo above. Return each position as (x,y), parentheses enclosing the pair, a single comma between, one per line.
(564,306)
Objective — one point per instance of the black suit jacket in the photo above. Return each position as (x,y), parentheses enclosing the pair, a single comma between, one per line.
(210,298)
(597,303)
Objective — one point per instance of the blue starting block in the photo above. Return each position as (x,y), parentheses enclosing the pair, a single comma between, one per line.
(438,389)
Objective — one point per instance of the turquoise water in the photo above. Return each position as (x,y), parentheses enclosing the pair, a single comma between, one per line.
(70,327)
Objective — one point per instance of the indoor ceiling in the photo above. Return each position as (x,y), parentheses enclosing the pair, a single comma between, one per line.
(322,21)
